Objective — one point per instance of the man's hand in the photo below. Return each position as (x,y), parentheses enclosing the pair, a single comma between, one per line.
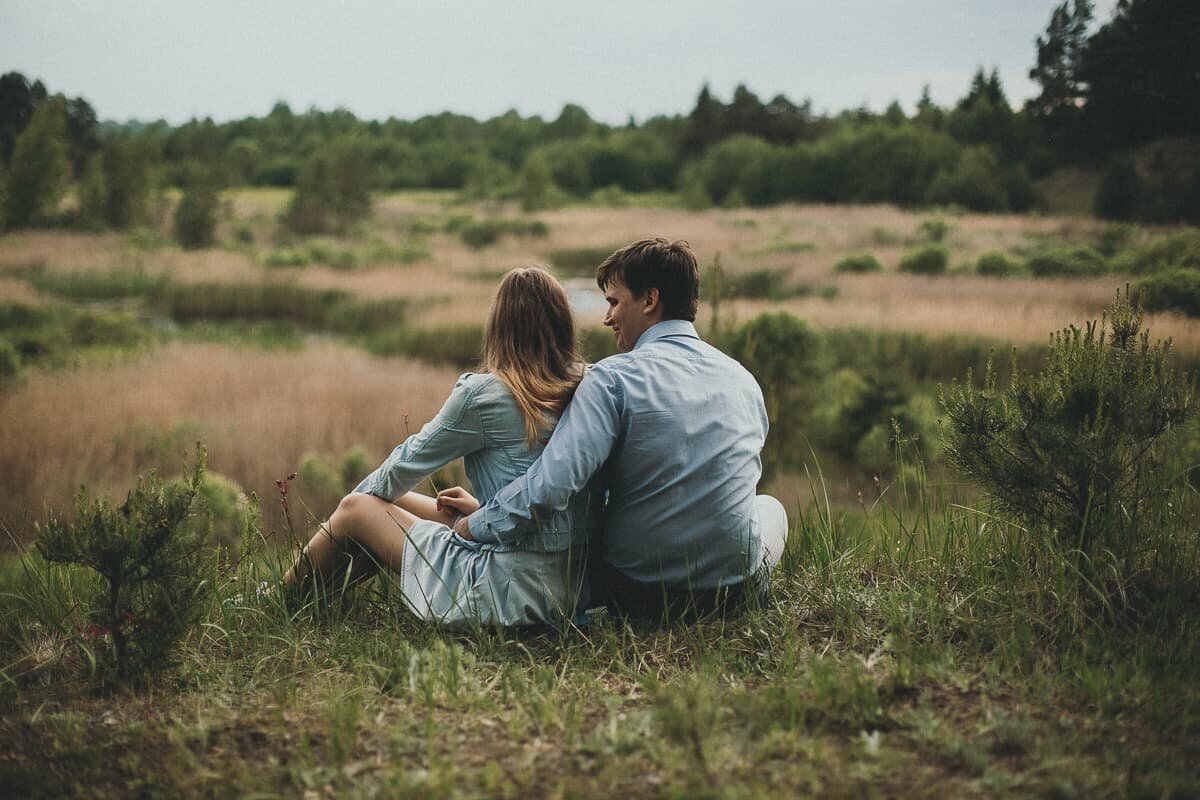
(463,530)
(458,500)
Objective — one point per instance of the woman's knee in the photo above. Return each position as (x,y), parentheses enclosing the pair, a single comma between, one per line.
(350,513)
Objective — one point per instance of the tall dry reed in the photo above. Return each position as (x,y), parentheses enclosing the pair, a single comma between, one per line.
(257,412)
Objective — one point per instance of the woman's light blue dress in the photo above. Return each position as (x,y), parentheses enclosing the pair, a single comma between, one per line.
(458,583)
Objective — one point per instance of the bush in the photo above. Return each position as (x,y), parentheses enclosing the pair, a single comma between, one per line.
(785,356)
(759,284)
(996,264)
(1119,195)
(929,260)
(485,233)
(975,182)
(154,568)
(333,190)
(460,346)
(1074,451)
(1075,261)
(580,260)
(10,362)
(195,223)
(1174,290)
(1179,249)
(934,229)
(858,262)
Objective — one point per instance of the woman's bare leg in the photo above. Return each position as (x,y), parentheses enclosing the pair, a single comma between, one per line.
(375,525)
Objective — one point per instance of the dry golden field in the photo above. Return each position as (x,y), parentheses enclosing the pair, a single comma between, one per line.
(103,421)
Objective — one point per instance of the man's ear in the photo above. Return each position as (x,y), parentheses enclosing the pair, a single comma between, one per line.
(650,300)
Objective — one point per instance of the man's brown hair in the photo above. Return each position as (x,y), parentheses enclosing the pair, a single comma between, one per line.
(669,267)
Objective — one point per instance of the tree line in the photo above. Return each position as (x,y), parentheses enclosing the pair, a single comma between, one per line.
(1121,99)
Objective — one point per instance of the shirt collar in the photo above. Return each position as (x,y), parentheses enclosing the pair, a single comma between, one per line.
(669,327)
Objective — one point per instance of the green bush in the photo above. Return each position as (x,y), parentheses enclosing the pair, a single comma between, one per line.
(929,260)
(579,260)
(976,182)
(10,362)
(934,229)
(460,346)
(285,258)
(195,224)
(484,233)
(1119,196)
(1075,450)
(333,190)
(223,515)
(786,357)
(759,284)
(996,264)
(858,262)
(154,568)
(1178,249)
(1071,261)
(1173,290)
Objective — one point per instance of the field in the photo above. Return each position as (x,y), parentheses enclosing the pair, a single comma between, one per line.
(915,645)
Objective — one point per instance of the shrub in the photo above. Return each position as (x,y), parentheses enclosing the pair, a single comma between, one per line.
(1174,290)
(1075,261)
(154,568)
(934,229)
(1119,195)
(785,356)
(929,260)
(10,362)
(1179,249)
(485,233)
(580,260)
(996,264)
(195,223)
(975,182)
(460,346)
(764,284)
(1074,451)
(333,190)
(858,262)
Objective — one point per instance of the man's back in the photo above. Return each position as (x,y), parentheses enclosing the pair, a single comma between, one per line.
(681,478)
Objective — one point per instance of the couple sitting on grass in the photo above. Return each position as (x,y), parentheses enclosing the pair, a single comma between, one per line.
(628,484)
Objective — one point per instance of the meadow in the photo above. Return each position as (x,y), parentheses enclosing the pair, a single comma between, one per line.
(916,643)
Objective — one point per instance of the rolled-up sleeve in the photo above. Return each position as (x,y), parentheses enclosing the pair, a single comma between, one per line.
(577,449)
(456,431)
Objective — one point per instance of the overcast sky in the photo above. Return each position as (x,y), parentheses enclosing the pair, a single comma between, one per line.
(149,59)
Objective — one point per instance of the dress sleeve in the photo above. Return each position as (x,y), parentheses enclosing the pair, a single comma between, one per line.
(456,431)
(578,448)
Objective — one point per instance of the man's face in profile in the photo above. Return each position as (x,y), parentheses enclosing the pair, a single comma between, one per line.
(626,315)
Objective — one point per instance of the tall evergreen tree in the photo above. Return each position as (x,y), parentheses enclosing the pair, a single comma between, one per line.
(39,166)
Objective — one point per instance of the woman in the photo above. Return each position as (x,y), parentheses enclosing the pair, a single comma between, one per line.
(498,420)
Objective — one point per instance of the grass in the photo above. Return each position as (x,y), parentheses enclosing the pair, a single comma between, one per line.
(909,650)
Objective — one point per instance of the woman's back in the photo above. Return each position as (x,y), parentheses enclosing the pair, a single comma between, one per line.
(482,422)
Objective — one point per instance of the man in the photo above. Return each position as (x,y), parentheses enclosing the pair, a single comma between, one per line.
(675,428)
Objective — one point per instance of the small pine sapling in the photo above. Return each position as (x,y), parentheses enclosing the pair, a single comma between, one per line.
(154,567)
(1077,449)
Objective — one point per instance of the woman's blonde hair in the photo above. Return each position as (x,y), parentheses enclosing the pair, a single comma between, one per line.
(529,344)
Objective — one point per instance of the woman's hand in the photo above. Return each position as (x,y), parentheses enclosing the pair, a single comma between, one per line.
(457,500)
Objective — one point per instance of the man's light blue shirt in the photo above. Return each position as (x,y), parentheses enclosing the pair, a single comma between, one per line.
(674,427)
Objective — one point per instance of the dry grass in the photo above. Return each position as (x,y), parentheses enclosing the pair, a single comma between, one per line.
(257,412)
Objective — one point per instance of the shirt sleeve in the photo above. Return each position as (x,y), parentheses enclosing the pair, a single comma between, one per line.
(581,443)
(456,431)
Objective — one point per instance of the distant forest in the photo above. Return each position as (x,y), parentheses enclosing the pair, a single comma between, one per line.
(1123,100)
